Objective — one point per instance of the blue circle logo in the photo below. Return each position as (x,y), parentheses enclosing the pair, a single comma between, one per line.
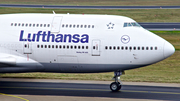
(125,39)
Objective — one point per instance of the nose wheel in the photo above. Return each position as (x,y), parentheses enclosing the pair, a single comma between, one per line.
(116,86)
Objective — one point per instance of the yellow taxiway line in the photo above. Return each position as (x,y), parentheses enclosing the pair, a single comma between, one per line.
(14,96)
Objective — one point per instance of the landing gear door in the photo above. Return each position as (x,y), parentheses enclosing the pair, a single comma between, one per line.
(55,28)
(96,47)
(27,48)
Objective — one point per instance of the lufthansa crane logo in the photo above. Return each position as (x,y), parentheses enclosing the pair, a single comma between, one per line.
(125,39)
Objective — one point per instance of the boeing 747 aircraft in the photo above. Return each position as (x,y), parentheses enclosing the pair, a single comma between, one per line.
(75,43)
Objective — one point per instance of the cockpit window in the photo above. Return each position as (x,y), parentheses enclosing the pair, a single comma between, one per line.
(131,24)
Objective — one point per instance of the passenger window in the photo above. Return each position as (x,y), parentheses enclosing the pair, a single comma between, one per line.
(106,47)
(82,47)
(48,25)
(15,24)
(130,48)
(44,25)
(75,47)
(118,47)
(92,26)
(33,25)
(77,26)
(11,24)
(45,46)
(147,48)
(29,25)
(25,45)
(19,24)
(86,47)
(81,26)
(122,48)
(60,46)
(63,26)
(56,46)
(67,46)
(40,25)
(74,26)
(52,46)
(134,48)
(138,48)
(85,26)
(155,48)
(71,47)
(66,25)
(64,46)
(37,46)
(89,26)
(49,46)
(126,48)
(151,48)
(94,47)
(142,48)
(23,25)
(110,47)
(70,26)
(41,46)
(26,25)
(114,47)
(37,25)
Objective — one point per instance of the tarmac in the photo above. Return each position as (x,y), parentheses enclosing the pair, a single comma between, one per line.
(15,89)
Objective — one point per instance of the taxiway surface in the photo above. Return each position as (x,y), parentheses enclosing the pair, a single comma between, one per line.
(89,90)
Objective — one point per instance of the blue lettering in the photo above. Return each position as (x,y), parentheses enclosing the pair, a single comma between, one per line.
(85,38)
(38,36)
(44,36)
(76,38)
(29,37)
(49,37)
(21,36)
(65,37)
(59,38)
(34,37)
(52,37)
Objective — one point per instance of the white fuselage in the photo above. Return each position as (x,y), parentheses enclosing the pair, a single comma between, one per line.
(76,43)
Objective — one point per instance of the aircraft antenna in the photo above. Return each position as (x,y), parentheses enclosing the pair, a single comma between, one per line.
(54,12)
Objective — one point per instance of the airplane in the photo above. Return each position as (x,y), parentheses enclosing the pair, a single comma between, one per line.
(77,43)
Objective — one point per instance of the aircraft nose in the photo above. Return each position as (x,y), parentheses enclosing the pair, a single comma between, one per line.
(168,49)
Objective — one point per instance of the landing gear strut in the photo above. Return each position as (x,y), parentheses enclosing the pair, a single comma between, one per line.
(116,86)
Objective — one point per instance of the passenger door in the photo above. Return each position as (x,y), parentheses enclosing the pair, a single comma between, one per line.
(96,47)
(55,28)
(27,48)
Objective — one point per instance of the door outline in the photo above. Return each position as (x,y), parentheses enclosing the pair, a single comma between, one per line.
(27,48)
(96,47)
(56,22)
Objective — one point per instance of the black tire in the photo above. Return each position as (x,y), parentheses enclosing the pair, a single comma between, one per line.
(119,86)
(115,87)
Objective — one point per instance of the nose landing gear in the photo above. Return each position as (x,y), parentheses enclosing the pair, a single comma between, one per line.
(116,86)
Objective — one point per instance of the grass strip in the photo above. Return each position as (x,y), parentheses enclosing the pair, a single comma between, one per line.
(140,15)
(96,2)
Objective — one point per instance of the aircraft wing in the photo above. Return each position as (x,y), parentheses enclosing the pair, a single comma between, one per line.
(13,62)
